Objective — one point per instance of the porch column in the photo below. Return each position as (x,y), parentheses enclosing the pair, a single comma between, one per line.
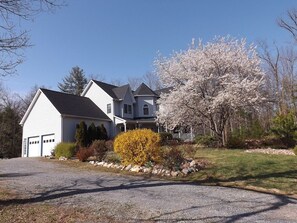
(125,127)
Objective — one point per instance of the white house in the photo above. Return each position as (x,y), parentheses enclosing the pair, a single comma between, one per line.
(52,116)
(126,108)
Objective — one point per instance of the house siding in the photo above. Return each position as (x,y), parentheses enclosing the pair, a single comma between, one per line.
(43,119)
(69,127)
(140,102)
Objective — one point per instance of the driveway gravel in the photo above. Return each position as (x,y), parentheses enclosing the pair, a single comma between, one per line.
(136,199)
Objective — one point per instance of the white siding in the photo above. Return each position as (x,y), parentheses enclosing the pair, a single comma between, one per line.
(69,127)
(100,98)
(43,119)
(141,101)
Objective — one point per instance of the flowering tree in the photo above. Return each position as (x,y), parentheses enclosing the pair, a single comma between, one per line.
(209,83)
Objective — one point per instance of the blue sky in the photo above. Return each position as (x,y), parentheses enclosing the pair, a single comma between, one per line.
(121,38)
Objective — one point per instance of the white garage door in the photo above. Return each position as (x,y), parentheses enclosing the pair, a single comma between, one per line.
(34,147)
(48,144)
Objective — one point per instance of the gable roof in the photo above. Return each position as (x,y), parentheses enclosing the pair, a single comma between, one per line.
(143,89)
(120,92)
(73,105)
(113,91)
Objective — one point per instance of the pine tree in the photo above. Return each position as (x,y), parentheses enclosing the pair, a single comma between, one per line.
(92,133)
(81,134)
(75,82)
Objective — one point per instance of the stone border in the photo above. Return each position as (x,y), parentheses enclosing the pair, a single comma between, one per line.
(190,166)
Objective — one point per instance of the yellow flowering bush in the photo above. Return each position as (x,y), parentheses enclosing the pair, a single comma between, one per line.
(138,146)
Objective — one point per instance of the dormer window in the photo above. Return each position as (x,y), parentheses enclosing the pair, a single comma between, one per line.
(145,110)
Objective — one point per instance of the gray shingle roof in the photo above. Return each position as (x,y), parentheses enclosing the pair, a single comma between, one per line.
(120,92)
(143,89)
(68,104)
(112,90)
(108,88)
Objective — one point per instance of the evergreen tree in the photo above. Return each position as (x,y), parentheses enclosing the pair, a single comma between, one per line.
(81,134)
(75,82)
(10,133)
(92,133)
(103,131)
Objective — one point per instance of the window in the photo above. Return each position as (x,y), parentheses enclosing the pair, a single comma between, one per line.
(127,109)
(145,110)
(108,108)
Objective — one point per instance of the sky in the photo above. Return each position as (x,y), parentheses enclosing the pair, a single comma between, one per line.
(118,39)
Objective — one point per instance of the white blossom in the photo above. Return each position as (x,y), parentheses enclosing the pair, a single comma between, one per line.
(209,82)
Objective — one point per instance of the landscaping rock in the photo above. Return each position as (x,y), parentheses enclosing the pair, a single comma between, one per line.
(174,173)
(127,168)
(193,163)
(155,171)
(62,158)
(92,162)
(147,170)
(136,169)
(185,171)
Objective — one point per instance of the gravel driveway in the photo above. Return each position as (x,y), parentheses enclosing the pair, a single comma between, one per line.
(135,199)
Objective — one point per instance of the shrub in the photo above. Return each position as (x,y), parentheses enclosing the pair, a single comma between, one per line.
(138,146)
(207,140)
(103,132)
(188,150)
(172,158)
(109,145)
(84,153)
(112,157)
(81,134)
(65,149)
(164,137)
(174,142)
(92,133)
(285,128)
(235,142)
(99,148)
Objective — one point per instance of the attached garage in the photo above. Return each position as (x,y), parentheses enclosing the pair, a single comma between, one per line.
(48,144)
(52,118)
(34,147)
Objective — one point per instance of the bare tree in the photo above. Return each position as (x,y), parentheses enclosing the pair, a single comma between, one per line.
(134,82)
(116,82)
(290,23)
(272,67)
(13,40)
(152,80)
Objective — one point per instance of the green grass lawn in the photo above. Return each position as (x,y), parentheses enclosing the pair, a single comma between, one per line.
(274,173)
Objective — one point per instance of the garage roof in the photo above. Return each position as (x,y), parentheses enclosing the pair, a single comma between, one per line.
(73,105)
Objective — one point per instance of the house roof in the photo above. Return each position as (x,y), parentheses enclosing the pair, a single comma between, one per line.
(108,88)
(120,92)
(163,90)
(143,89)
(113,91)
(73,105)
